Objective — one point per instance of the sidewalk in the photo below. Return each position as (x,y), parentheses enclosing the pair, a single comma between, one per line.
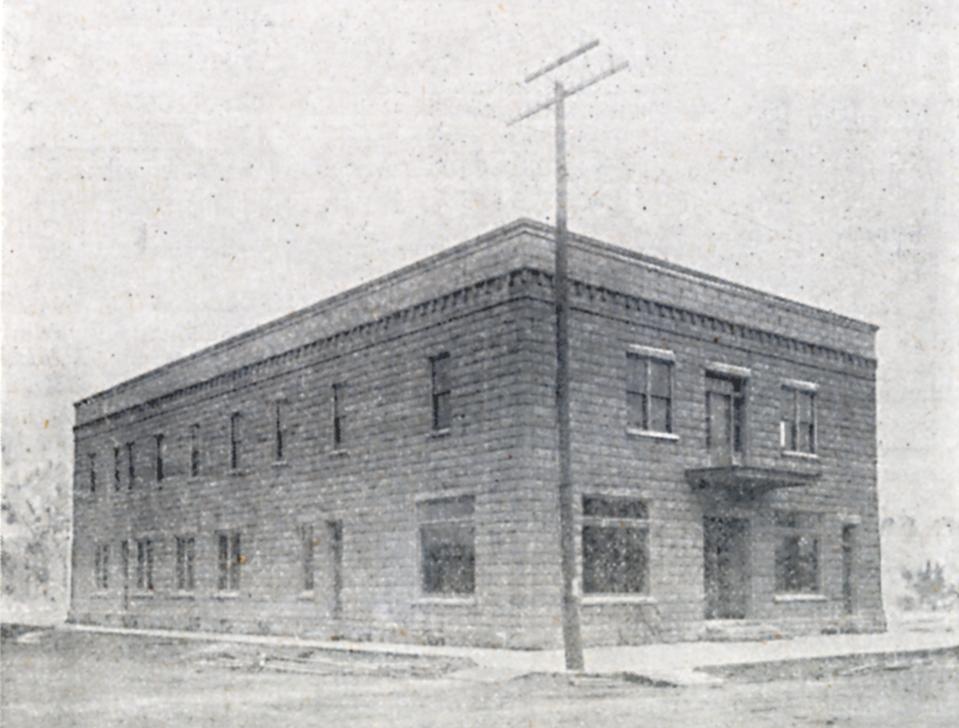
(675,663)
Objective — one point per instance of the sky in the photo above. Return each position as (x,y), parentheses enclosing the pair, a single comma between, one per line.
(177,172)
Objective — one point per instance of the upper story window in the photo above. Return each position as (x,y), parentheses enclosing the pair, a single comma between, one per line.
(236,439)
(797,426)
(194,450)
(279,430)
(725,416)
(615,545)
(339,417)
(160,452)
(92,464)
(131,465)
(440,383)
(116,468)
(447,546)
(649,390)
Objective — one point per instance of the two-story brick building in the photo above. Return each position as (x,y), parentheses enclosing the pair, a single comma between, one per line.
(383,464)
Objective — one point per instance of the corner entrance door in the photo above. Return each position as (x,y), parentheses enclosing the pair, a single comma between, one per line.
(848,566)
(726,567)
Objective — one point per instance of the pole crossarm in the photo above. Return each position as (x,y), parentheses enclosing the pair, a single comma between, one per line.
(561,60)
(574,90)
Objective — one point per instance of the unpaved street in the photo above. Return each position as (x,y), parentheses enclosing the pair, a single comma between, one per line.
(74,679)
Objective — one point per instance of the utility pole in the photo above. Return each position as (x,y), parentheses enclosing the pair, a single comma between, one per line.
(572,636)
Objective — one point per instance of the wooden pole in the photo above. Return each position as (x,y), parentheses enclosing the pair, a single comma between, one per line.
(572,637)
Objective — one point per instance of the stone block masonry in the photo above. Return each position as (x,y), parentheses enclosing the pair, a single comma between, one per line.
(369,521)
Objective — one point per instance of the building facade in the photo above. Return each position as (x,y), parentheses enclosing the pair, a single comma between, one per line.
(383,465)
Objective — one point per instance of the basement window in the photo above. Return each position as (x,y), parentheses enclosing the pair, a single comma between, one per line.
(447,548)
(615,545)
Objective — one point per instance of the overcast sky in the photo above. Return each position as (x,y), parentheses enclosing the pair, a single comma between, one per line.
(175,173)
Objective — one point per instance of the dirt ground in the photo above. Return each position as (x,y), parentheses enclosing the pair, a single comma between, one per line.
(75,679)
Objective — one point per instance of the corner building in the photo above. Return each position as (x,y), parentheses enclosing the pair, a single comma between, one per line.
(383,464)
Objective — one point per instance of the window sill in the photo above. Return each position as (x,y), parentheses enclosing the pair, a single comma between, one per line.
(799,454)
(182,595)
(280,464)
(599,599)
(787,598)
(306,596)
(228,595)
(237,473)
(140,594)
(652,434)
(101,594)
(436,434)
(339,453)
(445,601)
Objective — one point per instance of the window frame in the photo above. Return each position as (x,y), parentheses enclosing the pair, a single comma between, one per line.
(131,465)
(184,565)
(616,524)
(160,452)
(338,415)
(195,450)
(441,393)
(797,389)
(145,568)
(649,356)
(92,472)
(738,409)
(101,567)
(785,531)
(423,524)
(236,440)
(228,570)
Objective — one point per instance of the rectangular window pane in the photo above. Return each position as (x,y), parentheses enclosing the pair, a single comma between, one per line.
(443,509)
(116,468)
(636,410)
(659,378)
(159,457)
(306,535)
(223,562)
(339,418)
(92,462)
(131,466)
(635,373)
(448,558)
(236,559)
(442,411)
(236,435)
(660,415)
(279,423)
(614,560)
(612,507)
(195,450)
(447,545)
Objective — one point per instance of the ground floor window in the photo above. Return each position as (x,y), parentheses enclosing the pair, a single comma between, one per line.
(797,552)
(615,545)
(229,559)
(185,557)
(101,566)
(145,564)
(307,546)
(448,554)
